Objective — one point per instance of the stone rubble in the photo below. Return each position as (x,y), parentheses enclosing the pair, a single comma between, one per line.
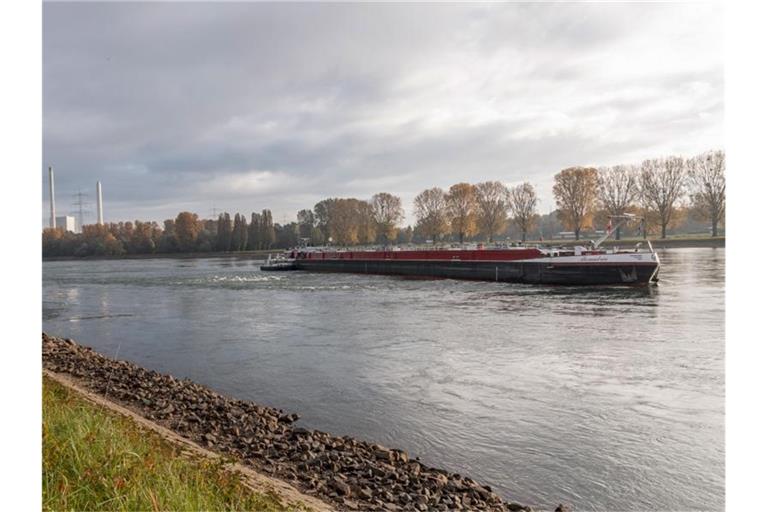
(347,473)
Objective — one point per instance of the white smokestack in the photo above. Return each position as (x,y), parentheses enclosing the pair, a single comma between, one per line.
(99,205)
(52,196)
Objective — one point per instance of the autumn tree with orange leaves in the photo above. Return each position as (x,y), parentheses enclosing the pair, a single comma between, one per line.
(492,206)
(461,203)
(575,193)
(431,213)
(186,229)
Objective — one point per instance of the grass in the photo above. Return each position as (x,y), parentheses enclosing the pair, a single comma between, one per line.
(95,459)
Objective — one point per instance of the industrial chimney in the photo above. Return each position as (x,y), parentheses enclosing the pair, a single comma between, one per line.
(99,205)
(52,196)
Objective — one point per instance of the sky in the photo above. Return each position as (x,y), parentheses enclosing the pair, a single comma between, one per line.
(246,106)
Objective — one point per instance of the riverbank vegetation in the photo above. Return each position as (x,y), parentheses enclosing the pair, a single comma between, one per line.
(670,195)
(95,459)
(347,473)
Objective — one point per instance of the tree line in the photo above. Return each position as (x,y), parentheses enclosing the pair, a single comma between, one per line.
(655,190)
(663,192)
(184,234)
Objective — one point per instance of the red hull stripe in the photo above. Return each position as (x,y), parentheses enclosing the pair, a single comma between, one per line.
(436,255)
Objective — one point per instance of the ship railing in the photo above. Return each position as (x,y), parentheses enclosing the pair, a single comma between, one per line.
(650,247)
(473,246)
(446,246)
(639,247)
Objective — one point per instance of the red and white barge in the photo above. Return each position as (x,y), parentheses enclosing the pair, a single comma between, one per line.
(576,265)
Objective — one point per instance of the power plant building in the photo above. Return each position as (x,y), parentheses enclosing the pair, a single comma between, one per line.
(68,223)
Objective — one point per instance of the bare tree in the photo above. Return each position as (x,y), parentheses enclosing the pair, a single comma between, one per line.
(431,213)
(617,189)
(575,192)
(387,212)
(522,203)
(706,175)
(662,182)
(492,206)
(461,201)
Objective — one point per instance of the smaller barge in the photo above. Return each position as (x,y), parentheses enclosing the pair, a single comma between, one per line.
(534,265)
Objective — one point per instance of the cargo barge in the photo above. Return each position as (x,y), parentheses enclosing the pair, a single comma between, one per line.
(534,265)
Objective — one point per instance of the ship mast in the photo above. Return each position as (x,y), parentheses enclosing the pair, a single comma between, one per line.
(623,220)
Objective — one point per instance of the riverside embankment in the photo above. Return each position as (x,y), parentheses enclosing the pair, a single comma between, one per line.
(345,472)
(98,455)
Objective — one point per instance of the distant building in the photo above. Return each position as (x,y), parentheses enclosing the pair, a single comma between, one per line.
(68,223)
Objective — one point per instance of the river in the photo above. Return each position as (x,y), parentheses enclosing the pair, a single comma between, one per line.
(605,398)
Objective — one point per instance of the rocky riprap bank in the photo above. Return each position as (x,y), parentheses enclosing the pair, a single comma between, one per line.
(349,474)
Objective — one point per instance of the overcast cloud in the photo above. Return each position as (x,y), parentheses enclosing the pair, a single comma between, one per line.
(249,106)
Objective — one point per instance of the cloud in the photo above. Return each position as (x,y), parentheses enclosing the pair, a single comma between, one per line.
(248,184)
(245,106)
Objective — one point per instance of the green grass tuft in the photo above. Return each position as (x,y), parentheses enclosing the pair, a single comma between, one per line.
(95,459)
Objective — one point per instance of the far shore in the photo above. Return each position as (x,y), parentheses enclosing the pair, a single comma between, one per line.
(659,243)
(255,255)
